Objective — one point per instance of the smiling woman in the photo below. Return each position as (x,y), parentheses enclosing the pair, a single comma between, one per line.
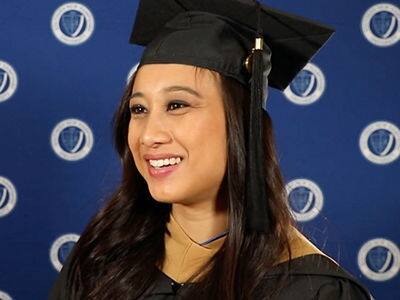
(201,211)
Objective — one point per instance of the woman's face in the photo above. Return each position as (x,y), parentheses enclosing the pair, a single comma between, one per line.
(178,115)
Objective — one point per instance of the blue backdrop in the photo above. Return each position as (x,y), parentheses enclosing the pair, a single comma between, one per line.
(63,67)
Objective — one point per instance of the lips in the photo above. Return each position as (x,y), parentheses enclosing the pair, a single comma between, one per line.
(164,171)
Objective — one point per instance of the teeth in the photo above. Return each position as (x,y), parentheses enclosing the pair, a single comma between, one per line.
(165,162)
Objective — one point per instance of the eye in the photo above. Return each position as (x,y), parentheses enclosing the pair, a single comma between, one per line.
(176,104)
(136,109)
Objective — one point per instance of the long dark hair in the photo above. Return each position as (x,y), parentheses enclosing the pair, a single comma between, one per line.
(120,250)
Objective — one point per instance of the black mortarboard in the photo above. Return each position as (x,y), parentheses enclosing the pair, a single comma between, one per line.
(237,38)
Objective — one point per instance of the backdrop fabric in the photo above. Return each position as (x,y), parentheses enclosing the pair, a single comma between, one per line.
(63,68)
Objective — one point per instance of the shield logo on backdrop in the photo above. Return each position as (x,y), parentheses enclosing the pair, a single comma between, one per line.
(301,199)
(381,142)
(383,24)
(380,24)
(72,23)
(71,139)
(379,259)
(3,196)
(8,196)
(61,248)
(65,250)
(307,87)
(303,84)
(8,81)
(305,199)
(3,81)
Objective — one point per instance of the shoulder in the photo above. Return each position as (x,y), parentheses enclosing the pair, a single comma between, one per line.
(316,276)
(342,288)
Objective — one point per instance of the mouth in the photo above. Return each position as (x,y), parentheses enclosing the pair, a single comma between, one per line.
(162,167)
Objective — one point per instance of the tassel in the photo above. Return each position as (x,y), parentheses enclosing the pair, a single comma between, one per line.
(257,208)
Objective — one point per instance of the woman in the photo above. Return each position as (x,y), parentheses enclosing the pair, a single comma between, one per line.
(190,220)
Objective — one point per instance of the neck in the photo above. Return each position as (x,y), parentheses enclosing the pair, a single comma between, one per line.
(200,223)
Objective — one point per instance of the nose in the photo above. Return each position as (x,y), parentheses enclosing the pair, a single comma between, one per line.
(155,132)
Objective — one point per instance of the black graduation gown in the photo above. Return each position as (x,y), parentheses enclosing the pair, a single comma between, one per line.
(312,277)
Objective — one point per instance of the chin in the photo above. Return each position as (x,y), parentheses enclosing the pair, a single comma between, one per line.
(165,201)
(170,198)
(163,197)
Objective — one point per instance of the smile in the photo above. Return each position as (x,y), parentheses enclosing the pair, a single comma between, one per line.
(162,163)
(161,168)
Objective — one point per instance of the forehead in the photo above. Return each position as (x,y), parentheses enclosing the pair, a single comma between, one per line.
(154,77)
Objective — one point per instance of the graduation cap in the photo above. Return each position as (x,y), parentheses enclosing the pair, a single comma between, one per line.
(242,39)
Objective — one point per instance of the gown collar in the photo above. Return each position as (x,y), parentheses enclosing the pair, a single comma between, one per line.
(184,256)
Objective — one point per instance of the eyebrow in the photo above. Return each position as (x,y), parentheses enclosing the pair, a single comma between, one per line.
(173,88)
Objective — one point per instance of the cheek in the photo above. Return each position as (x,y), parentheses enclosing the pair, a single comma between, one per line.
(133,142)
(207,147)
